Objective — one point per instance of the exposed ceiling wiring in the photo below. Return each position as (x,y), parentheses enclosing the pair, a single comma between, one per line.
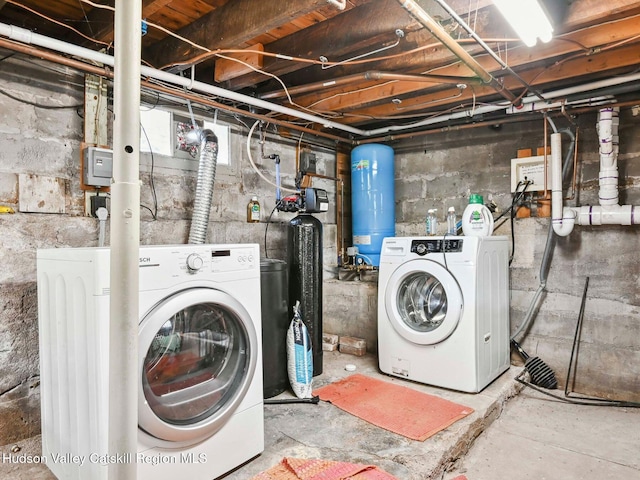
(57,22)
(585,51)
(278,79)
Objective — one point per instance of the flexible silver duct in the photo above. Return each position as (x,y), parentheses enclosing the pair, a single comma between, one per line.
(204,187)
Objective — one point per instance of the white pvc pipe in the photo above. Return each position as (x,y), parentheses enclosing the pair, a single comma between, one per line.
(607,128)
(562,218)
(25,36)
(125,241)
(608,215)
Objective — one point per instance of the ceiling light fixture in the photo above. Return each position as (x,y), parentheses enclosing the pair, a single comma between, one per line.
(528,18)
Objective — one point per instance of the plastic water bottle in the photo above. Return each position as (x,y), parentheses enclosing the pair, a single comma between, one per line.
(452,228)
(432,221)
(477,220)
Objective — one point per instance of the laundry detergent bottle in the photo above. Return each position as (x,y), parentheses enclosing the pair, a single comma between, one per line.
(477,220)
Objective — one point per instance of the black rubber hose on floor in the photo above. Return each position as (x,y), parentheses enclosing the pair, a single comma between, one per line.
(282,401)
(540,373)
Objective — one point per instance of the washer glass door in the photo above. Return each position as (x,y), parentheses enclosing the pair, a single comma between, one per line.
(198,356)
(423,301)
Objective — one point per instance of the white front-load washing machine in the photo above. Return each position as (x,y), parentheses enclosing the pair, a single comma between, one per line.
(200,408)
(443,310)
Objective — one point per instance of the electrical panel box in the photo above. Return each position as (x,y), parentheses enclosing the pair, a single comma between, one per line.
(530,169)
(98,166)
(308,162)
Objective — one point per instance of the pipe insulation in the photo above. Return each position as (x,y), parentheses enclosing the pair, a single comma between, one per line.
(125,240)
(204,187)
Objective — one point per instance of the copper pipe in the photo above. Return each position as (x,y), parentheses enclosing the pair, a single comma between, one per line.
(106,72)
(441,34)
(370,75)
(214,104)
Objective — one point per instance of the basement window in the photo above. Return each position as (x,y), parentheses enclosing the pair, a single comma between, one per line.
(159,136)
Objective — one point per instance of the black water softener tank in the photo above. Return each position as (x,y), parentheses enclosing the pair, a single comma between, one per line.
(275,323)
(304,252)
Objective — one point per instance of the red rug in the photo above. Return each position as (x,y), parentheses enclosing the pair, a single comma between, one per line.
(302,469)
(399,409)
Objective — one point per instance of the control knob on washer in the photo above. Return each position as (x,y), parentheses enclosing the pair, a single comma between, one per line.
(194,262)
(421,249)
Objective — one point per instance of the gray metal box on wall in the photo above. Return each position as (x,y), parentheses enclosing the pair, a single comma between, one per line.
(98,166)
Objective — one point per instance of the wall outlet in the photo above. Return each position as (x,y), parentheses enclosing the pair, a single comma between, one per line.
(530,169)
(93,201)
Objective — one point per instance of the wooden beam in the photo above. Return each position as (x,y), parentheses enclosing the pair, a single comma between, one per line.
(227,69)
(104,18)
(568,72)
(489,25)
(365,28)
(584,13)
(232,24)
(99,24)
(341,100)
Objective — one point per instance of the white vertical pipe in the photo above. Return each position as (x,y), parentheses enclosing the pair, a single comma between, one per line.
(562,218)
(607,128)
(125,239)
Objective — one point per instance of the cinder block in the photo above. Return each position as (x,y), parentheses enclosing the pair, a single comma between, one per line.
(353,346)
(353,342)
(330,338)
(357,351)
(329,347)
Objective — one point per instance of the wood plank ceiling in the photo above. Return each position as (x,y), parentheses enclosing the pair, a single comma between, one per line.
(371,64)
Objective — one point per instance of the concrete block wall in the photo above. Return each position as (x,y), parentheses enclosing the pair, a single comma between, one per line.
(440,170)
(41,147)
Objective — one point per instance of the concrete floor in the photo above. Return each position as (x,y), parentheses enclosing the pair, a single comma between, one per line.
(554,440)
(509,435)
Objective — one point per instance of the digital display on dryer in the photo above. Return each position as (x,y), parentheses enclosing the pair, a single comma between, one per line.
(423,247)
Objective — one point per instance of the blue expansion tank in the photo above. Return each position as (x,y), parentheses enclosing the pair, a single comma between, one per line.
(372,199)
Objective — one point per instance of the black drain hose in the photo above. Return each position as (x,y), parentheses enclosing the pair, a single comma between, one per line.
(282,401)
(540,373)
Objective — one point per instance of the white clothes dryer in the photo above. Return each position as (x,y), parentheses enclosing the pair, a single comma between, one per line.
(443,310)
(200,408)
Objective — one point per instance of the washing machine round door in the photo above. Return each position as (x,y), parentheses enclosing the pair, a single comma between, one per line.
(198,354)
(423,301)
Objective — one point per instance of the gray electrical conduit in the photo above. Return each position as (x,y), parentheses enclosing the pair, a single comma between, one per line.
(550,243)
(204,188)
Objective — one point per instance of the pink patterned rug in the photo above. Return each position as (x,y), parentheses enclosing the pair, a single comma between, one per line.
(303,469)
(394,407)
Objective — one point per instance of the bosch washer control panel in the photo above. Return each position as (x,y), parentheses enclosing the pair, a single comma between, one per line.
(422,247)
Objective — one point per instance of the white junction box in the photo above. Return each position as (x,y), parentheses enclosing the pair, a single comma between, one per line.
(532,169)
